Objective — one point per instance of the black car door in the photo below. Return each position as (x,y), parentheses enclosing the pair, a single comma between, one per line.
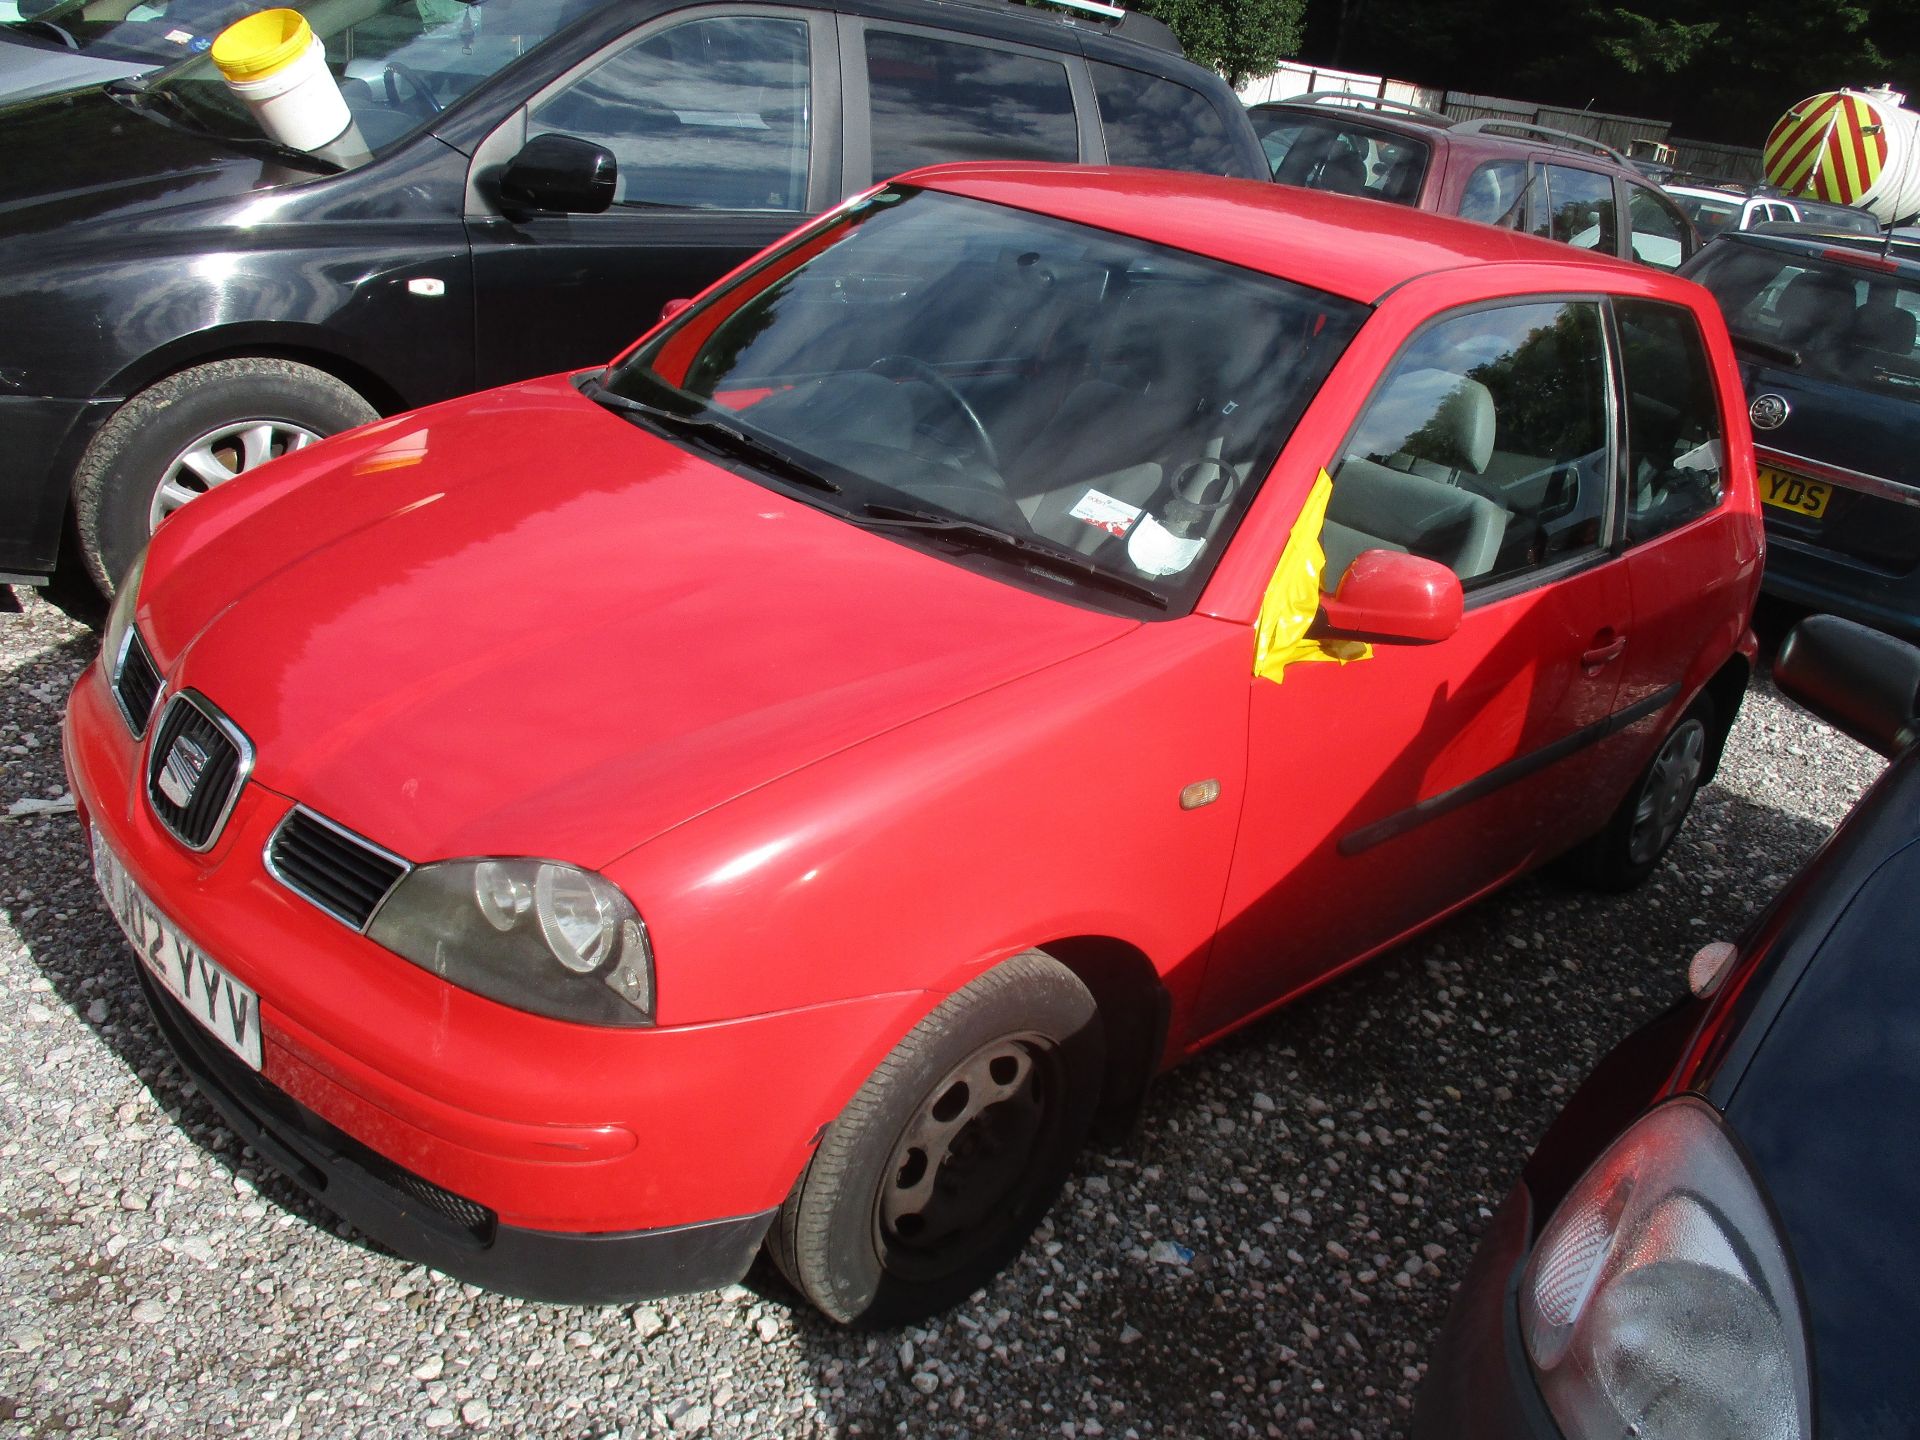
(723,122)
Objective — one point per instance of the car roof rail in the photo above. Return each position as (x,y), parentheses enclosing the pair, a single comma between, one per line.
(1353,99)
(1564,138)
(1127,24)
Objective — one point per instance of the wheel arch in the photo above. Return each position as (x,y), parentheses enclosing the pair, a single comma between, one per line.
(1725,689)
(1135,1012)
(303,345)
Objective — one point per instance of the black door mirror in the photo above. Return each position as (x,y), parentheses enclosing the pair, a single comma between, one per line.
(558,173)
(1859,681)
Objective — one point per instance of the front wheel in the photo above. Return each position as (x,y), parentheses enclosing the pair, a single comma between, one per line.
(932,1178)
(183,435)
(1648,820)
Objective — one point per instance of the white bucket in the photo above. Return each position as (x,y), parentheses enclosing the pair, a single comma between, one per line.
(286,85)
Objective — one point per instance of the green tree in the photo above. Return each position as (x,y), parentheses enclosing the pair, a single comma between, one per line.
(1242,39)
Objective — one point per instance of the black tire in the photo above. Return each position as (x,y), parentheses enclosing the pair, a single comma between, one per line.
(1641,831)
(118,486)
(931,1179)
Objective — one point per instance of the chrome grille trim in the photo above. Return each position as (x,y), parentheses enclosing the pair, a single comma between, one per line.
(208,813)
(132,676)
(279,861)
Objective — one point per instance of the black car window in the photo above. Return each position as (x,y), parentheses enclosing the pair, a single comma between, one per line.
(1493,193)
(1580,208)
(1323,152)
(1485,447)
(936,100)
(1710,217)
(1849,323)
(1162,124)
(709,115)
(1674,449)
(1657,232)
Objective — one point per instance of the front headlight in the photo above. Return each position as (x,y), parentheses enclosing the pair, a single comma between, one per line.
(534,934)
(1659,1303)
(113,644)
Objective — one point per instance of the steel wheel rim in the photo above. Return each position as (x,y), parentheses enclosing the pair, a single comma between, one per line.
(966,1164)
(218,456)
(1670,785)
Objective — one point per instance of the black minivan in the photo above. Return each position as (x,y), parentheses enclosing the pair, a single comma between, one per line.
(184,299)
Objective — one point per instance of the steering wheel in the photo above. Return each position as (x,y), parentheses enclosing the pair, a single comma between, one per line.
(60,32)
(398,70)
(894,367)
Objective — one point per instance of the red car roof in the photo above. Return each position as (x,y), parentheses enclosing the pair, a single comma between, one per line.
(1358,249)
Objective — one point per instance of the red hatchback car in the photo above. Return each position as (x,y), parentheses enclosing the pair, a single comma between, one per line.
(786,786)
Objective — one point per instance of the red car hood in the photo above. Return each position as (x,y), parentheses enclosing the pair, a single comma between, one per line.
(519,624)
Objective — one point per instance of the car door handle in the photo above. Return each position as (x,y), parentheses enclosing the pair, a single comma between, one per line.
(1604,654)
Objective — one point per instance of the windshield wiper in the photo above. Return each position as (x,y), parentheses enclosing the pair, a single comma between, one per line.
(136,93)
(729,439)
(978,536)
(1762,348)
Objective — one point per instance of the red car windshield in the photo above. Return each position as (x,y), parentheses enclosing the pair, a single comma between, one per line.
(1081,392)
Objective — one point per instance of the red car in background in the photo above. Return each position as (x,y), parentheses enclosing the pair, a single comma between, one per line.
(785,786)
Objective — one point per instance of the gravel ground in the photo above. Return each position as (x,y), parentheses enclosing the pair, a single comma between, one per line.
(1269,1255)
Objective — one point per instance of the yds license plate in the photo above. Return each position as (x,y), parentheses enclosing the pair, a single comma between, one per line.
(1790,492)
(225,1008)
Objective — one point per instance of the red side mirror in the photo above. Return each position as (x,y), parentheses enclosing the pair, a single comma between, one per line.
(672,308)
(1393,598)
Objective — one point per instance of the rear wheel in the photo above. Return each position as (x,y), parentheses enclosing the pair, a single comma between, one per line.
(932,1178)
(1644,827)
(184,435)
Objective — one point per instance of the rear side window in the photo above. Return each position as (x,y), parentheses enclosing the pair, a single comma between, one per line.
(709,115)
(1161,124)
(1580,209)
(1674,450)
(1494,192)
(1657,233)
(1485,447)
(1322,153)
(939,100)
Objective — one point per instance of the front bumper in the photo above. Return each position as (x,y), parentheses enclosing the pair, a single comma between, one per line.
(1478,1383)
(416,1218)
(40,440)
(628,1162)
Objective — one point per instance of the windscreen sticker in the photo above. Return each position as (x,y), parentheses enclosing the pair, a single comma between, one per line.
(1104,512)
(1156,550)
(180,37)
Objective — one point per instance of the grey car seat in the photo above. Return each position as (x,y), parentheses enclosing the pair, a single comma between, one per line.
(1410,500)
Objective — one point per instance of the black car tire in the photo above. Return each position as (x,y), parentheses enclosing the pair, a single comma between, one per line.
(932,1178)
(1643,829)
(123,469)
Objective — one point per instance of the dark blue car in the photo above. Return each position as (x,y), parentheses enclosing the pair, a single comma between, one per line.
(1826,325)
(1716,1239)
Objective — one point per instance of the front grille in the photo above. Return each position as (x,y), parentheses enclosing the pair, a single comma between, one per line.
(343,874)
(467,1214)
(136,684)
(195,768)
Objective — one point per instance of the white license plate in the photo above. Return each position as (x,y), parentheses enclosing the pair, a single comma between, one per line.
(228,1010)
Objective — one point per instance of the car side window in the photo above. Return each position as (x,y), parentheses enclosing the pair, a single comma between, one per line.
(1349,158)
(1580,205)
(1493,193)
(1675,460)
(713,114)
(1485,447)
(1161,124)
(1656,230)
(934,100)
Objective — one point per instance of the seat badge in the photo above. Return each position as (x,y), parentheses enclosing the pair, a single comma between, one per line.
(1769,412)
(186,762)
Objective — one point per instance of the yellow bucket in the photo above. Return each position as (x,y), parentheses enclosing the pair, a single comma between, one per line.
(261,44)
